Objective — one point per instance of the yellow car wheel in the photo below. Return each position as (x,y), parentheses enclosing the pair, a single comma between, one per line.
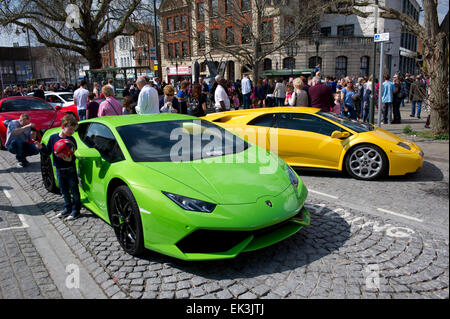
(366,162)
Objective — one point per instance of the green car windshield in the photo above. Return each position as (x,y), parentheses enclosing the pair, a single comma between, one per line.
(178,141)
(356,126)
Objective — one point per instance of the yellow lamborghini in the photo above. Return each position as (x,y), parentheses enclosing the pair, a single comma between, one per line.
(308,137)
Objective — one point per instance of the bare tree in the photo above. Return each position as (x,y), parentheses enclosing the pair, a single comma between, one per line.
(252,30)
(81,26)
(434,36)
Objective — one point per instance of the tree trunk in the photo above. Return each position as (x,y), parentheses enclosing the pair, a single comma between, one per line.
(437,63)
(94,58)
(436,56)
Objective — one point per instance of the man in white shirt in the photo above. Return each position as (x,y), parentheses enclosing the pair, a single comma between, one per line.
(148,100)
(246,88)
(221,97)
(110,83)
(80,100)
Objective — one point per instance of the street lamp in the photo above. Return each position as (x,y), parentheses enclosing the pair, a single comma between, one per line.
(316,39)
(29,48)
(291,51)
(174,60)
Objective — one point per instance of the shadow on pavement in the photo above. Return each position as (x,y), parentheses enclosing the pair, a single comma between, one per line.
(328,232)
(32,168)
(428,173)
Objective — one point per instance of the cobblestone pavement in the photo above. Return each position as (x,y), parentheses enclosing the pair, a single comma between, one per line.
(22,271)
(343,254)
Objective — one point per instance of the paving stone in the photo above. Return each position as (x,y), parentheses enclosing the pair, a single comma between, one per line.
(326,259)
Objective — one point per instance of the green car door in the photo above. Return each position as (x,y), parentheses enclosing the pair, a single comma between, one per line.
(101,151)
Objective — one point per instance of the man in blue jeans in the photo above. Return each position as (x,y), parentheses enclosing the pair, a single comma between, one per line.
(417,94)
(18,135)
(58,145)
(387,99)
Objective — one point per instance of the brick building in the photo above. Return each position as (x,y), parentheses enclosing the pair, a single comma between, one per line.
(345,46)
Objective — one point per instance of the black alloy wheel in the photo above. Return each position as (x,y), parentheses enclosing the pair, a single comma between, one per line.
(126,220)
(48,178)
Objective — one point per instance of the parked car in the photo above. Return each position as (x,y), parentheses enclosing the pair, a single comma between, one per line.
(41,113)
(308,137)
(59,98)
(187,208)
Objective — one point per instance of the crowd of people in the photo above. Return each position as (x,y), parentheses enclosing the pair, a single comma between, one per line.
(36,90)
(349,97)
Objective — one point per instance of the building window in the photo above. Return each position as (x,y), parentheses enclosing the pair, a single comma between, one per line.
(214,8)
(346,30)
(267,64)
(176,23)
(245,5)
(267,31)
(201,39)
(184,49)
(214,37)
(326,31)
(289,27)
(341,66)
(169,25)
(170,50)
(230,70)
(177,49)
(201,11)
(289,63)
(245,34)
(183,22)
(364,68)
(229,35)
(313,61)
(229,6)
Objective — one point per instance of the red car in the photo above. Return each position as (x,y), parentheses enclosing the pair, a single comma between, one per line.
(41,113)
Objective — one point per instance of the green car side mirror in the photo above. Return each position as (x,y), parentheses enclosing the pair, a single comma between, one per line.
(340,135)
(91,153)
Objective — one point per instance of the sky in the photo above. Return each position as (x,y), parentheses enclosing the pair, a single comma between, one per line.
(8,38)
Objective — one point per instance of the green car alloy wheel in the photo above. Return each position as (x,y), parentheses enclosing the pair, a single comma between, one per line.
(183,187)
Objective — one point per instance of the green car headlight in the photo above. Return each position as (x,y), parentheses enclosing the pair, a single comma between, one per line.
(401,144)
(191,204)
(293,177)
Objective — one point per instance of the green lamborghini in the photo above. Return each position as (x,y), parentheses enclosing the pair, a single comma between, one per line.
(183,186)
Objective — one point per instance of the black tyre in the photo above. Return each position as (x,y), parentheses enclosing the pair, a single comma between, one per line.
(48,178)
(126,220)
(366,162)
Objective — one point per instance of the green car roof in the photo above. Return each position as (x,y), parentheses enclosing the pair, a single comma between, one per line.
(115,120)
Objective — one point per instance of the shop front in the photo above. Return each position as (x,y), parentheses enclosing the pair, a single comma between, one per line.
(178,73)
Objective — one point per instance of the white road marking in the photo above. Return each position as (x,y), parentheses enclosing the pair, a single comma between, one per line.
(323,194)
(21,217)
(400,215)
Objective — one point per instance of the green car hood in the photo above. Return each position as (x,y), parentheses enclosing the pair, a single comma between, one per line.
(226,183)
